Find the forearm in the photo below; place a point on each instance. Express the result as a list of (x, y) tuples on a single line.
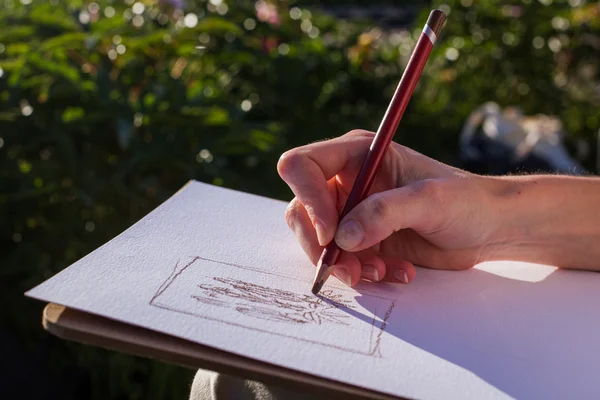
[(547, 219)]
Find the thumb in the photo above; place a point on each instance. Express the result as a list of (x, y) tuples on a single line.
[(415, 206)]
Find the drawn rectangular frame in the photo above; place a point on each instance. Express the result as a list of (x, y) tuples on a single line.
[(376, 330)]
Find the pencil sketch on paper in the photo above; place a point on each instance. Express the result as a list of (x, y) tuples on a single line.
[(274, 304), (206, 289)]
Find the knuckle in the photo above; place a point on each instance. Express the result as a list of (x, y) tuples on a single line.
[(290, 162), (377, 208), (361, 133), (292, 213), (433, 191)]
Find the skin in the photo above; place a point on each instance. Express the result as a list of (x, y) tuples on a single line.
[(422, 212)]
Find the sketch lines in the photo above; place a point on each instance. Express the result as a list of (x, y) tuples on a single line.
[(375, 349), (202, 287), (273, 304)]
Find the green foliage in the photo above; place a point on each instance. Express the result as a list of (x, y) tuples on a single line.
[(539, 55), (108, 108)]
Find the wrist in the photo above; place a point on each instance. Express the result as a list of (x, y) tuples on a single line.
[(552, 220)]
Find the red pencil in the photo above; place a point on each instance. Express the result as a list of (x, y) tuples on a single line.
[(384, 136)]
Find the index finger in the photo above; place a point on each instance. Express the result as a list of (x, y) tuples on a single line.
[(307, 169)]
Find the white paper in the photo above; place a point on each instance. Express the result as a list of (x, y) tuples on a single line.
[(221, 268)]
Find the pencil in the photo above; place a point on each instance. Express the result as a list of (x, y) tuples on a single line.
[(383, 137)]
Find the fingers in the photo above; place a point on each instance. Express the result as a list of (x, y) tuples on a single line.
[(299, 222), (377, 217), (377, 267), (351, 267), (374, 267), (398, 271), (348, 268), (308, 169)]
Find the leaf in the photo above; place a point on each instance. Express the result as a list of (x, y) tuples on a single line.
[(36, 81), (10, 116), (142, 42), (11, 64), (216, 24), (66, 71), (186, 50), (217, 116), (15, 77), (17, 48), (73, 114), (68, 40), (53, 17), (89, 86), (13, 33), (106, 25), (262, 140)]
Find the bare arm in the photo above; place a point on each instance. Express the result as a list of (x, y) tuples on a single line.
[(548, 219)]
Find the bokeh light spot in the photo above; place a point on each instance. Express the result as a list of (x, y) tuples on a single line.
[(84, 17), (90, 226), (249, 24), (452, 54), (109, 12), (138, 8), (138, 21), (246, 105), (554, 44), (284, 49), (190, 20), (295, 13)]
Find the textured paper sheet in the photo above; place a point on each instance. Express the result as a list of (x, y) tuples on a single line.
[(221, 268)]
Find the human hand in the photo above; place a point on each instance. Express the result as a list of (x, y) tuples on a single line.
[(419, 211)]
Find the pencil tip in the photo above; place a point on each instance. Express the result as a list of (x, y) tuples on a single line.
[(317, 287), (320, 277)]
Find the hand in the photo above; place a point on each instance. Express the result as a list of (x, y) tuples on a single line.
[(419, 211)]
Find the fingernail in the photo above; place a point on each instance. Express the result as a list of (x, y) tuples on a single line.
[(370, 272), (320, 228), (342, 274), (350, 234), (401, 275)]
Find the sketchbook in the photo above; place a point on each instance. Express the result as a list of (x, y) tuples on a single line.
[(213, 278)]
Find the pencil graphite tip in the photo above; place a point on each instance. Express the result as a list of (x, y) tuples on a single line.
[(317, 287), (320, 277)]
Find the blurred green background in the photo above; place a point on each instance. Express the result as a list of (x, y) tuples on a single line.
[(108, 107)]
